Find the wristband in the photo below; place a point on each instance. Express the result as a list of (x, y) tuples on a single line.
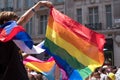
[(33, 10)]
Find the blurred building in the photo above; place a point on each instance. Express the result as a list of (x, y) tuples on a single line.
[(102, 16)]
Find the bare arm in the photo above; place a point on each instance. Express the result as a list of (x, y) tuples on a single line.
[(29, 13)]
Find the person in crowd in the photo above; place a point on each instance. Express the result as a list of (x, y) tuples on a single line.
[(95, 75), (39, 76), (117, 74), (103, 75), (111, 72), (11, 65)]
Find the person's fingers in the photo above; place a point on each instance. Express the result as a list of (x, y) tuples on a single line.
[(49, 4), (46, 3)]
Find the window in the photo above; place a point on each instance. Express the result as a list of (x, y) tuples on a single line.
[(79, 15), (43, 24), (93, 19), (9, 3), (1, 4), (108, 16), (28, 3), (29, 27), (19, 4), (59, 1), (108, 51), (93, 15)]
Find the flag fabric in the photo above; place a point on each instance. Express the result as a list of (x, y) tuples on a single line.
[(47, 68), (12, 31), (76, 49), (36, 49)]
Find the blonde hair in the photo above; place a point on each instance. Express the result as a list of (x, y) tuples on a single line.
[(7, 16)]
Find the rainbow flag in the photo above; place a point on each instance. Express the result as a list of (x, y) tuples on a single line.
[(39, 65), (76, 49), (47, 68)]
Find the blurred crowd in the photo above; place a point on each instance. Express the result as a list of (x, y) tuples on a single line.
[(106, 72)]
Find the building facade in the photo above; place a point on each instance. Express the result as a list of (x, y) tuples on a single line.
[(103, 16)]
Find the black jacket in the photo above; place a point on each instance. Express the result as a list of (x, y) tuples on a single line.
[(11, 64)]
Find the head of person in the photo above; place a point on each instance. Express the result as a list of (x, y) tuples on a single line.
[(96, 75), (6, 16)]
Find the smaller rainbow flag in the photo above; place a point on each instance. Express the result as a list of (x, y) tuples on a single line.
[(39, 65), (47, 68)]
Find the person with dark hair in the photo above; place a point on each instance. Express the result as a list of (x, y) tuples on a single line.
[(104, 75), (11, 64)]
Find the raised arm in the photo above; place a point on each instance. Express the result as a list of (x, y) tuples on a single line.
[(29, 13)]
